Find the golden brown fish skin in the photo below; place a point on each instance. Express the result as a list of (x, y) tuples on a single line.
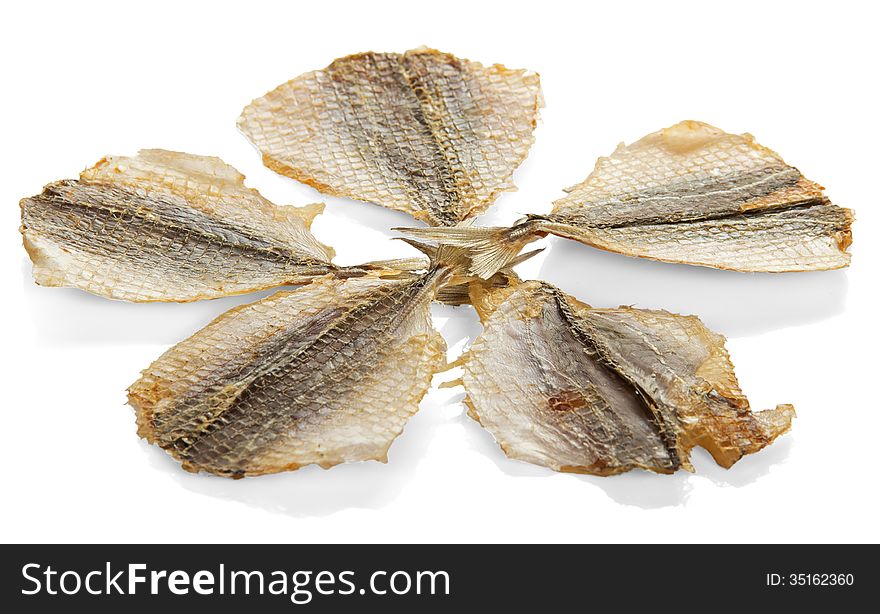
[(689, 194), (165, 226), (604, 391), (325, 374), (693, 194), (422, 132)]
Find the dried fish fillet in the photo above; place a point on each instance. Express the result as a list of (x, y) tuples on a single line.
[(690, 194), (167, 226), (422, 132), (326, 374), (604, 391)]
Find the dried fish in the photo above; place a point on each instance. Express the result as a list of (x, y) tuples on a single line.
[(326, 374), (331, 372), (422, 132), (167, 226), (690, 194), (603, 391)]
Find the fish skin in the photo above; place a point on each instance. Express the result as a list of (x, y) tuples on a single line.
[(762, 243), (693, 194), (326, 374), (605, 391), (689, 194), (167, 226), (422, 132)]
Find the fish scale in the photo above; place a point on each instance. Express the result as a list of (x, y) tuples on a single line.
[(290, 397), (125, 230), (658, 384), (422, 132)]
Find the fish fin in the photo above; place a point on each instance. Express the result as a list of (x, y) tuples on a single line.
[(453, 383), (396, 268), (408, 265), (489, 248), (454, 295), (308, 213), (429, 250), (453, 256), (523, 257)]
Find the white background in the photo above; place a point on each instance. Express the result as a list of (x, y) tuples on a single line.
[(81, 81)]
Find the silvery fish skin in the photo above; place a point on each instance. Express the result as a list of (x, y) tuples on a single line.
[(167, 226), (326, 374), (604, 391), (689, 194), (422, 132)]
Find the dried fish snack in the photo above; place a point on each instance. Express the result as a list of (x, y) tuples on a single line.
[(331, 372), (422, 132), (689, 194), (326, 374), (603, 391), (167, 226)]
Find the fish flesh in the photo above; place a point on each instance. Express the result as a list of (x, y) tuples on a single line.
[(422, 132), (689, 194), (326, 374), (603, 391), (167, 226)]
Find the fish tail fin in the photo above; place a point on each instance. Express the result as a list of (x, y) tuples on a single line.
[(488, 249), (398, 264), (456, 291), (453, 256), (454, 295), (523, 257), (429, 250), (397, 268)]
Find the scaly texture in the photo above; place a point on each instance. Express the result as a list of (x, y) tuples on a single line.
[(690, 194), (167, 226), (694, 194), (422, 132), (604, 391), (327, 374)]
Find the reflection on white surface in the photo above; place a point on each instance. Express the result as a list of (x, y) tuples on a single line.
[(732, 303), (312, 491), (642, 488), (459, 326)]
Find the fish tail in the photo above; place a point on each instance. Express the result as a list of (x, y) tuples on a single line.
[(456, 290), (485, 250), (454, 294), (443, 255), (405, 265)]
